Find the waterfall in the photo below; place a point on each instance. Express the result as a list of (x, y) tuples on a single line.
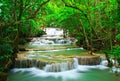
[(41, 53), (75, 62), (28, 63), (58, 67), (53, 41)]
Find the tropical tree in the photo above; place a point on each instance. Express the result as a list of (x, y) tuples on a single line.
[(18, 18)]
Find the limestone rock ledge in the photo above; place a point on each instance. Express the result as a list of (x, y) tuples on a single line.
[(89, 60)]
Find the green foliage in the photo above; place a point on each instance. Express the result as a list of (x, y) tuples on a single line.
[(116, 53), (40, 32), (95, 22), (0, 9), (6, 52), (30, 28), (118, 36), (18, 20), (85, 20)]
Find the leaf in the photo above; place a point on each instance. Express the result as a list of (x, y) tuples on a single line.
[(118, 36)]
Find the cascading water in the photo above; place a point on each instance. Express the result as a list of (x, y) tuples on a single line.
[(53, 41), (59, 67), (53, 58), (75, 64), (79, 73), (47, 43)]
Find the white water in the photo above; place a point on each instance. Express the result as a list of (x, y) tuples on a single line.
[(52, 41), (54, 36), (54, 31), (113, 69), (67, 71), (65, 74), (71, 74), (60, 67)]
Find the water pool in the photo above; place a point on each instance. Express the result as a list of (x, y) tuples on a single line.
[(81, 73)]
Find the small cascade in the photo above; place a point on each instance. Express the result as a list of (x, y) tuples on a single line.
[(54, 36), (63, 41), (104, 62), (28, 63), (89, 60), (53, 41), (59, 67), (75, 62)]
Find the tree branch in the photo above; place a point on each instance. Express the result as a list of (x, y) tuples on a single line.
[(21, 10), (37, 10), (74, 7), (12, 23)]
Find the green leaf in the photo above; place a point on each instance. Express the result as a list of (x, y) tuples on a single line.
[(118, 36)]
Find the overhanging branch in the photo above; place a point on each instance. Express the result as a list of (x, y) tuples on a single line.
[(12, 23), (37, 10), (74, 7)]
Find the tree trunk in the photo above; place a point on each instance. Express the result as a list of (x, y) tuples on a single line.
[(85, 35)]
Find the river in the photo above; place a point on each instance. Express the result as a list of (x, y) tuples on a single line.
[(61, 63)]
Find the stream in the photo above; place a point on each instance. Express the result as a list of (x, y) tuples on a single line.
[(54, 58), (81, 73)]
